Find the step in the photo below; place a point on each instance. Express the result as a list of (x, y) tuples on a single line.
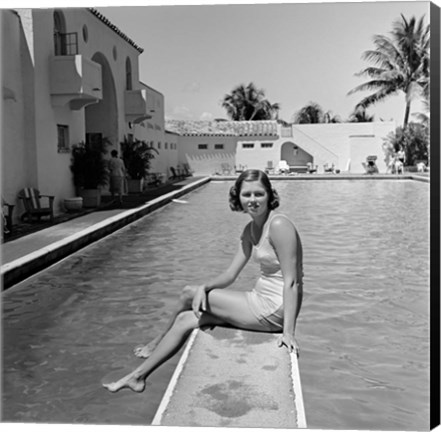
[(234, 378)]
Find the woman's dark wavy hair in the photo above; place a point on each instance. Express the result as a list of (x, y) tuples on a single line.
[(248, 176)]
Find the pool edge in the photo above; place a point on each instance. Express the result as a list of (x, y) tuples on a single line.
[(24, 267)]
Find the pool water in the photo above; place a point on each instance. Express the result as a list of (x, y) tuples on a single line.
[(363, 329)]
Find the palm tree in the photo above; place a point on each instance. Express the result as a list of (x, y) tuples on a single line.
[(311, 113), (249, 103), (360, 115), (401, 63)]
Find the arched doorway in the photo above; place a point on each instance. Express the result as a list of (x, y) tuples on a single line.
[(101, 119), (294, 155)]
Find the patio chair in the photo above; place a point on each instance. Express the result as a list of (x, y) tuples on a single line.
[(269, 167), (282, 167), (240, 169), (310, 168), (187, 170), (327, 168), (174, 175), (32, 201), (226, 168)]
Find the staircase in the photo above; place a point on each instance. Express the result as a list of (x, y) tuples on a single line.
[(321, 154)]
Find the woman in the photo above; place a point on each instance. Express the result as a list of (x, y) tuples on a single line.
[(272, 306)]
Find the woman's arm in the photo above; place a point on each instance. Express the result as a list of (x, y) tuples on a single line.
[(289, 251), (227, 277)]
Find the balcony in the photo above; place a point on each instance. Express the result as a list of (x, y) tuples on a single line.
[(75, 80), (135, 105)]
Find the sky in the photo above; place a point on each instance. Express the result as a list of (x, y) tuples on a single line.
[(296, 52)]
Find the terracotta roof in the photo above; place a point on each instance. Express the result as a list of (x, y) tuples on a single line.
[(102, 18), (223, 128)]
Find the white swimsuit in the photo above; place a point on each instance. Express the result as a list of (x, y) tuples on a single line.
[(266, 299)]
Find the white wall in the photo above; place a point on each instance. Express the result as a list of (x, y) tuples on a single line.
[(30, 118), (211, 160)]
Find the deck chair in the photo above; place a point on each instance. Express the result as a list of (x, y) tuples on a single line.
[(328, 168), (226, 168), (310, 168), (269, 169), (32, 201), (283, 167)]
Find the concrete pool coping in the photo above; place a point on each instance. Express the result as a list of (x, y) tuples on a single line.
[(228, 377), (340, 176)]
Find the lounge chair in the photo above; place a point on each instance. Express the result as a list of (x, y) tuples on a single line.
[(310, 168), (34, 208), (269, 167), (240, 169), (187, 170), (327, 168), (283, 167), (226, 168)]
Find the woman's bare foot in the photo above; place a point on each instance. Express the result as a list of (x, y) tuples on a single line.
[(129, 381), (145, 351)]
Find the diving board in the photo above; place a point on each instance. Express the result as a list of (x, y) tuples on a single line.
[(234, 378)]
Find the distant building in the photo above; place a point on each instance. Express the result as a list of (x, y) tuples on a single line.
[(211, 147), (70, 75)]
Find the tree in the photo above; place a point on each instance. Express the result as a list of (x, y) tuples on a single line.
[(414, 139), (311, 113), (314, 113), (249, 103), (401, 64), (359, 115), (137, 155)]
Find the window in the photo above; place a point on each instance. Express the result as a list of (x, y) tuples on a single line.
[(128, 74), (219, 146), (63, 139), (202, 146), (266, 145), (166, 146), (159, 144), (64, 43), (85, 33), (248, 145)]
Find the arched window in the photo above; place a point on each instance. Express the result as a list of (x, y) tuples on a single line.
[(59, 31), (128, 74)]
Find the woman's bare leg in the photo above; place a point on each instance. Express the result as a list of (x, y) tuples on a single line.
[(224, 307), (184, 303), (169, 345)]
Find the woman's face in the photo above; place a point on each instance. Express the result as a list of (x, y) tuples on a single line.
[(254, 198)]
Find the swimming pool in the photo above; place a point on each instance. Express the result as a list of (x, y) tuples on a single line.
[(363, 329)]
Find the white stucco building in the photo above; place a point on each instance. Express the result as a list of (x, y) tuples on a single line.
[(70, 75), (209, 147)]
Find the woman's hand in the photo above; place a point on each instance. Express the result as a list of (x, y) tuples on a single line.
[(199, 303), (290, 342)]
